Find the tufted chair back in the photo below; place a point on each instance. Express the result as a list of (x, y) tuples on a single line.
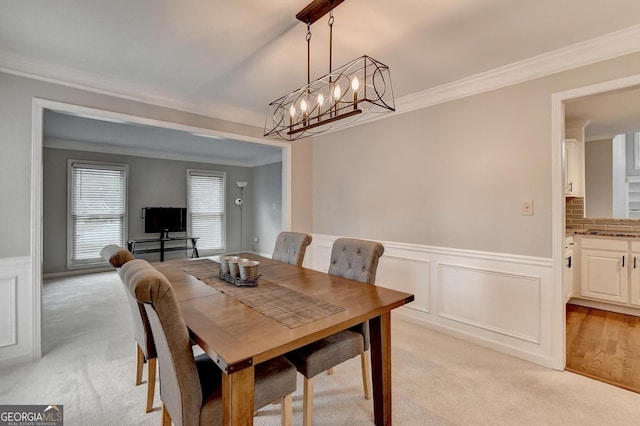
[(120, 258), (141, 329), (180, 387), (355, 259), (291, 247)]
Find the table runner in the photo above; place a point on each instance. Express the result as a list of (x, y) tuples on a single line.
[(281, 304)]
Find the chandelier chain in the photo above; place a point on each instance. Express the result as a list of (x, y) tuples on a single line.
[(330, 40), (308, 52)]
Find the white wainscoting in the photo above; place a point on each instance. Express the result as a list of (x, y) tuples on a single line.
[(16, 308), (497, 300)]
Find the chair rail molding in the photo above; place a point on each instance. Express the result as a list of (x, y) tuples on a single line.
[(497, 300)]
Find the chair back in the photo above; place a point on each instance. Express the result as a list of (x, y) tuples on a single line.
[(355, 259), (116, 255), (141, 328), (119, 258), (291, 247), (180, 389)]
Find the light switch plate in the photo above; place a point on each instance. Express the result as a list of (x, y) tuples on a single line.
[(527, 208)]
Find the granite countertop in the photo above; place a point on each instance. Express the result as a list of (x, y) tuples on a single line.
[(603, 233)]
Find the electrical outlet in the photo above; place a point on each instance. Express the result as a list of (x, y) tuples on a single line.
[(527, 208)]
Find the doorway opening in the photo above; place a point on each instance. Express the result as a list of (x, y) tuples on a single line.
[(563, 110), (38, 110)]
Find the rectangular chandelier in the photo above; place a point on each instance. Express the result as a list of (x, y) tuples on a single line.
[(358, 91)]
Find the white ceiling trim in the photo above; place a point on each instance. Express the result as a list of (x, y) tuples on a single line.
[(612, 45), (609, 46), (146, 153)]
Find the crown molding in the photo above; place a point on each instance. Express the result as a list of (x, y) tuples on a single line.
[(608, 46), (49, 72)]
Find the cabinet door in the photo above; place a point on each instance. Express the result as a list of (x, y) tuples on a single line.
[(573, 168), (604, 275), (634, 285), (568, 275)]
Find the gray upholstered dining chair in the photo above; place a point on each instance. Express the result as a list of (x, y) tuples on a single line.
[(290, 247), (191, 388), (357, 260), (145, 347)]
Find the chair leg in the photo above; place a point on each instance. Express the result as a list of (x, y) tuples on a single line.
[(365, 360), (151, 382), (286, 410), (307, 402), (166, 418), (139, 364)]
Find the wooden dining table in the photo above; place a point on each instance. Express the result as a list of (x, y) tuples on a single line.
[(238, 334)]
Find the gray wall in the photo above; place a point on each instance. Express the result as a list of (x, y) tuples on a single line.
[(599, 178), (451, 175), (268, 208), (152, 182), (454, 174), (16, 103)]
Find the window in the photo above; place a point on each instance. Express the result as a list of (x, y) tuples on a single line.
[(97, 213), (206, 209)]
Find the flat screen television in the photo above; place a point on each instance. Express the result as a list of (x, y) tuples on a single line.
[(161, 219)]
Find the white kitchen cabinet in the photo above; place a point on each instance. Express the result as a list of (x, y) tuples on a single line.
[(634, 283), (574, 168), (569, 268), (610, 270)]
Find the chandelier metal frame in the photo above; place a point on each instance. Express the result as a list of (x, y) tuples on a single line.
[(357, 91)]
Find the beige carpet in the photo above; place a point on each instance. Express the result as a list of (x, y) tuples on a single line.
[(437, 380)]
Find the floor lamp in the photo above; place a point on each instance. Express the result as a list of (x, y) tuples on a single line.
[(239, 201)]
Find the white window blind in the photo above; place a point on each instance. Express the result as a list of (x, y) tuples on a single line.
[(206, 208), (97, 211)]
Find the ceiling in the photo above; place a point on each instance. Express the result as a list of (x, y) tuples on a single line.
[(229, 59)]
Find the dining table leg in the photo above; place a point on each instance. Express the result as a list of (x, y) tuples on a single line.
[(380, 338), (237, 397)]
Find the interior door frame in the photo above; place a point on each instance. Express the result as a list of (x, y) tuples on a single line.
[(559, 346), (37, 143)]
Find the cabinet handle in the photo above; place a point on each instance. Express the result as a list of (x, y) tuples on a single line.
[(569, 262), (623, 261), (570, 186), (634, 262)]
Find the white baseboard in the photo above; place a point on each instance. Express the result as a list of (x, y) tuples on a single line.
[(500, 301)]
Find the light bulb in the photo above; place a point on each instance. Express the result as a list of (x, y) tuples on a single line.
[(292, 113), (303, 105), (355, 84), (320, 102), (336, 92)]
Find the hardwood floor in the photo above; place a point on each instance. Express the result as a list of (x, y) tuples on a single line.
[(604, 345)]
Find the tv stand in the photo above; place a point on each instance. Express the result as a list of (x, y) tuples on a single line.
[(164, 238)]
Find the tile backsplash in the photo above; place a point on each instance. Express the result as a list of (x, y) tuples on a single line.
[(576, 220)]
